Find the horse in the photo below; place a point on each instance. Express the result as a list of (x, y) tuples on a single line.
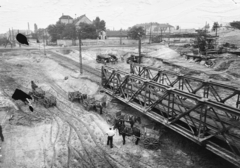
[(126, 131), (129, 118), (82, 97)]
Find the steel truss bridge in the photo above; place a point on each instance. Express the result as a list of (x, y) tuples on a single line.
[(203, 111)]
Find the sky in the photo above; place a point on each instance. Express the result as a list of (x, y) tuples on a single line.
[(118, 14)]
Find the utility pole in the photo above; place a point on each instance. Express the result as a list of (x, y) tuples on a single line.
[(13, 38), (121, 36), (10, 37), (80, 50), (139, 47), (44, 42), (150, 33), (169, 35), (19, 43)]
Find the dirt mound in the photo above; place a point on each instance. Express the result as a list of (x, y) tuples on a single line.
[(164, 53), (223, 65), (231, 37), (234, 69)]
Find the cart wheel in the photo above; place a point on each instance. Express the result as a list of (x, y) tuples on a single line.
[(151, 143)]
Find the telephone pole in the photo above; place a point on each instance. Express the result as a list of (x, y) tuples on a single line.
[(44, 42), (121, 36), (150, 33), (80, 50), (139, 47)]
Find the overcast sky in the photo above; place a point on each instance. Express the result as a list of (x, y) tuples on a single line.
[(118, 13)]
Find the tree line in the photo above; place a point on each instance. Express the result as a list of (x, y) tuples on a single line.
[(91, 31), (70, 32)]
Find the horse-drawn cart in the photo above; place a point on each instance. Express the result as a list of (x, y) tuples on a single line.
[(45, 99), (92, 103), (151, 138), (76, 96)]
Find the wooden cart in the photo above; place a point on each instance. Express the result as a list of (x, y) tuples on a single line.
[(45, 99), (151, 138)]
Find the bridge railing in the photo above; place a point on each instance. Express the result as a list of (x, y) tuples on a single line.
[(202, 120), (214, 91)]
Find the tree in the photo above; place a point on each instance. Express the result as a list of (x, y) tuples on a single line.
[(88, 31), (56, 31), (177, 27), (69, 32), (52, 30), (235, 24), (34, 35), (134, 32), (207, 26), (99, 24), (215, 27), (60, 28)]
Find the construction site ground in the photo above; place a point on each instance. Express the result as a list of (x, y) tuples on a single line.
[(68, 135)]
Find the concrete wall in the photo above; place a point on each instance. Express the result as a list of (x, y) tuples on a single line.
[(100, 42)]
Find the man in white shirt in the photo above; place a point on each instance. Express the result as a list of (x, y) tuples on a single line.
[(110, 134)]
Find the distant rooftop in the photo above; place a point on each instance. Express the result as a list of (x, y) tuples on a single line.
[(148, 25), (79, 18), (65, 17)]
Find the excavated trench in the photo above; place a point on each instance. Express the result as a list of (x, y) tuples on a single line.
[(198, 154), (73, 137)]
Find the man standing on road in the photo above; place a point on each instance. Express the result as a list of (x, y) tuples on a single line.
[(110, 134), (1, 135)]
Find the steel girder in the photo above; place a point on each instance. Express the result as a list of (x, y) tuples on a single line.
[(205, 88), (204, 121)]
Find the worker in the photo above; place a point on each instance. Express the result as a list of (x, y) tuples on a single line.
[(131, 121), (1, 135), (33, 85), (110, 134), (137, 134), (123, 132)]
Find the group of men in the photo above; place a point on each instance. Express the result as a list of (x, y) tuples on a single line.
[(111, 133)]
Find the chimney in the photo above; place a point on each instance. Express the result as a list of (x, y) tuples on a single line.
[(62, 14), (28, 25)]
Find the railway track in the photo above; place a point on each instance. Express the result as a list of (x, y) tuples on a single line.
[(69, 62)]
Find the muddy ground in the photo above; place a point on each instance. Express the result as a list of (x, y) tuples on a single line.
[(68, 135)]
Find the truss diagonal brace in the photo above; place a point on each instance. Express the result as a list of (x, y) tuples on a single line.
[(185, 113), (110, 78), (139, 90), (159, 100), (122, 84)]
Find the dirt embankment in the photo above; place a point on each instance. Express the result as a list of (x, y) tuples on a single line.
[(67, 135)]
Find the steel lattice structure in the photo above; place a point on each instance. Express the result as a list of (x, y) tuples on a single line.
[(206, 122), (205, 88)]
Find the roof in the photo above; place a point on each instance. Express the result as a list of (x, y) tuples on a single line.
[(118, 33), (65, 17), (148, 25), (79, 18)]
